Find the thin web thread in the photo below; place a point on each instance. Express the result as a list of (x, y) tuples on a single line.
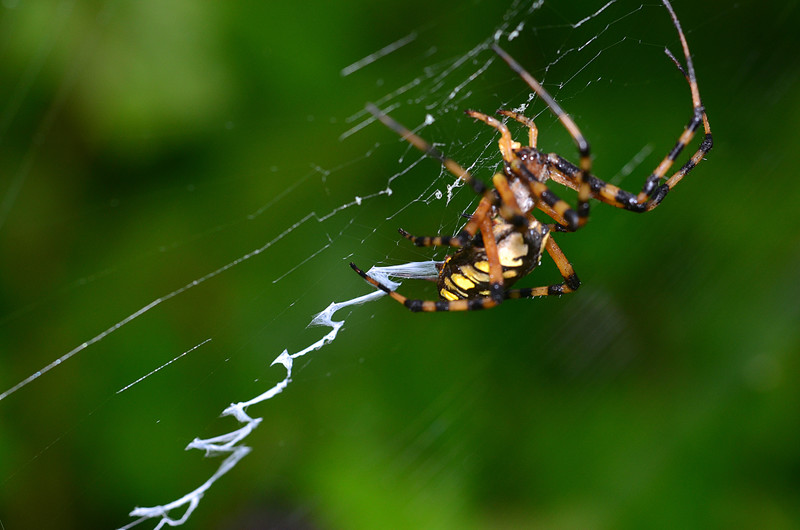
[(230, 443)]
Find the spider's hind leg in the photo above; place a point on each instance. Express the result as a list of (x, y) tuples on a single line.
[(466, 235), (569, 285), (458, 240)]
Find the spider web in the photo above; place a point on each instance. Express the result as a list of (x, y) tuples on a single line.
[(240, 276)]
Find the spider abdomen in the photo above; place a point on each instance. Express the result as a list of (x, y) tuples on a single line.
[(465, 274)]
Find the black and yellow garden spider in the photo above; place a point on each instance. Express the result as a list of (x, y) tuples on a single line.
[(503, 242)]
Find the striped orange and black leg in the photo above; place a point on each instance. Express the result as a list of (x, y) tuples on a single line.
[(553, 205), (459, 240), (570, 284), (652, 193), (566, 173)]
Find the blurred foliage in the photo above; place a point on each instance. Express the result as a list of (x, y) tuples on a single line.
[(146, 144)]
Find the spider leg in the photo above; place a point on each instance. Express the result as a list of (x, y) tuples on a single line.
[(505, 211), (507, 145), (485, 224), (651, 192), (570, 284), (481, 212), (584, 191), (550, 203), (464, 236), (434, 241), (561, 224), (492, 256), (566, 173), (533, 132)]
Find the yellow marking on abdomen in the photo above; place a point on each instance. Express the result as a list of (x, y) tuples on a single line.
[(462, 282), (473, 275), (447, 295)]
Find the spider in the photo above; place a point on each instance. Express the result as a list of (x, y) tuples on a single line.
[(502, 241)]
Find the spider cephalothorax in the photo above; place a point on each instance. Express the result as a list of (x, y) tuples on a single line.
[(502, 241)]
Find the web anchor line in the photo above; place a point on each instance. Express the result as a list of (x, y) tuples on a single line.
[(230, 443)]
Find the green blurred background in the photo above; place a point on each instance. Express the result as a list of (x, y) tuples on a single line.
[(146, 144)]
